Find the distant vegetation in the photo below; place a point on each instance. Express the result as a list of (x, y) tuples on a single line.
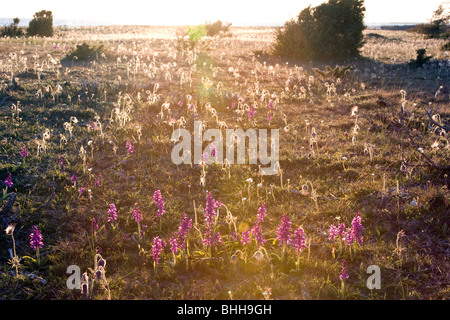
[(41, 25), (437, 28), (194, 35), (13, 29), (399, 27), (218, 28), (190, 38), (328, 31)]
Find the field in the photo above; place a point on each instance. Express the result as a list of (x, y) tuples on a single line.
[(362, 177)]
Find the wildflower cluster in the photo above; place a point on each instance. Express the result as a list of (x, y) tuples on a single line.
[(158, 200), (36, 239), (350, 235), (211, 238), (178, 240), (157, 248), (23, 151), (137, 216), (298, 240), (112, 213), (8, 181), (257, 227), (284, 231)]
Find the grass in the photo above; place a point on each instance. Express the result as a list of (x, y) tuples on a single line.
[(114, 100)]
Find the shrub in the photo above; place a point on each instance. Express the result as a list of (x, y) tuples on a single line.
[(330, 73), (437, 28), (421, 59), (328, 31), (41, 25), (446, 46), (191, 38), (430, 30), (217, 29), (13, 30), (196, 33), (84, 52)]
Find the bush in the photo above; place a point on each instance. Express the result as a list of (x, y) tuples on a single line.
[(421, 59), (332, 74), (41, 25), (430, 30), (446, 46), (217, 29), (437, 28), (13, 30), (329, 31), (196, 33), (194, 36), (191, 38), (84, 52)]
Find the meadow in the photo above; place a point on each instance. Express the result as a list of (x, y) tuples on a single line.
[(88, 179)]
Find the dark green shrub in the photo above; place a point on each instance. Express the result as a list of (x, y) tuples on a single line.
[(430, 30), (446, 46), (41, 25), (13, 30), (421, 59), (437, 28), (404, 27), (84, 52), (217, 29), (328, 31)]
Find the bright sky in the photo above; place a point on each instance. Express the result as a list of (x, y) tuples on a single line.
[(184, 12)]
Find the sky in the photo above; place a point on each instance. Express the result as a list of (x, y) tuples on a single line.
[(190, 12)]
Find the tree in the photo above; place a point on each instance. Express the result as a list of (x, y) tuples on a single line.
[(328, 31), (41, 25)]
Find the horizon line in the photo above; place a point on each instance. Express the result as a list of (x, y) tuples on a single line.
[(78, 22)]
